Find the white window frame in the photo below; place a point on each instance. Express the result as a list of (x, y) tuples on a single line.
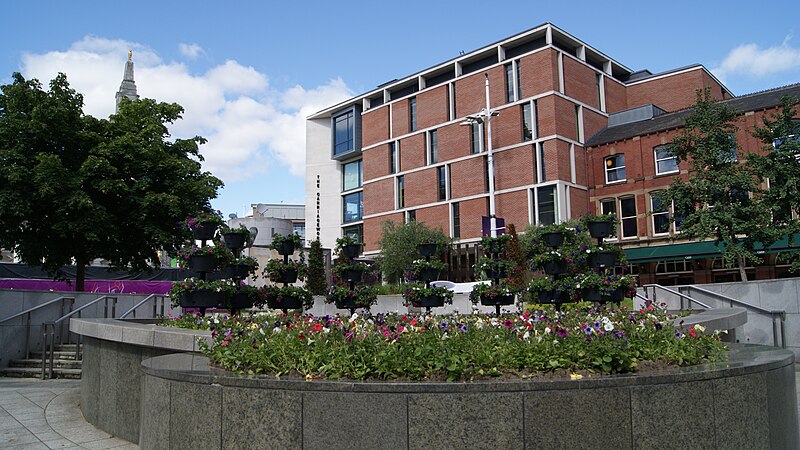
[(657, 160), (606, 169), (623, 218)]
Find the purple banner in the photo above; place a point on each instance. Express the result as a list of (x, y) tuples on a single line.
[(99, 286)]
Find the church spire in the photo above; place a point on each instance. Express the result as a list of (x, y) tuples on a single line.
[(128, 86)]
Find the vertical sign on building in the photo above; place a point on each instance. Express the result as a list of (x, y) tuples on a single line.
[(318, 225)]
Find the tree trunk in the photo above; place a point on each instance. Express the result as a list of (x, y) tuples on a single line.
[(80, 274), (742, 265)]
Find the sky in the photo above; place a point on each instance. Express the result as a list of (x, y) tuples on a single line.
[(248, 73)]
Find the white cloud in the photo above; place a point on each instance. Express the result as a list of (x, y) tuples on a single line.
[(753, 61), (251, 128), (191, 51)]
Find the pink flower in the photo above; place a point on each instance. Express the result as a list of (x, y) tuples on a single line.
[(225, 343)]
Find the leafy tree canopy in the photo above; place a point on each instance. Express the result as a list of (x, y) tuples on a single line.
[(74, 188), (399, 246)]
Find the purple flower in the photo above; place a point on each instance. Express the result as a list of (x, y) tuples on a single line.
[(444, 326), (587, 330), (678, 335)]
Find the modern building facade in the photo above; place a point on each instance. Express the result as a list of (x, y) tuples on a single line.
[(564, 142)]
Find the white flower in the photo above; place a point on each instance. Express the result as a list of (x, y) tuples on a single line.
[(526, 335), (547, 330), (276, 330), (353, 317), (608, 326), (699, 328)]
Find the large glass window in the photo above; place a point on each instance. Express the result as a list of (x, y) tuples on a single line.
[(546, 205), (412, 114), (512, 82), (476, 137), (627, 209), (353, 207), (433, 146), (666, 162), (401, 192), (660, 213), (392, 157), (352, 175), (728, 155), (411, 215), (609, 207), (615, 168), (344, 133), (456, 220), (542, 167), (527, 122), (442, 182), (355, 232)]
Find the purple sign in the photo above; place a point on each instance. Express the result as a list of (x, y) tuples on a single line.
[(486, 227)]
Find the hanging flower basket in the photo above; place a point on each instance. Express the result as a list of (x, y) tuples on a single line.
[(203, 263), (553, 296), (428, 275), (353, 275), (553, 239), (285, 302), (235, 239), (238, 271), (495, 274), (202, 298), (205, 231), (431, 301), (600, 228), (351, 250), (285, 248), (289, 276), (241, 300), (602, 260), (555, 267), (285, 245), (427, 250)]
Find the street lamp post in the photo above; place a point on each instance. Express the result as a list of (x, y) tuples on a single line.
[(485, 116)]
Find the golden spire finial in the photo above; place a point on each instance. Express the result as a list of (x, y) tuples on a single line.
[(130, 54)]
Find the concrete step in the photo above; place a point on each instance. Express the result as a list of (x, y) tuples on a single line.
[(57, 355), (31, 372), (58, 363)]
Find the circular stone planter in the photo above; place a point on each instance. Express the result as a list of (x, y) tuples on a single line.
[(745, 402)]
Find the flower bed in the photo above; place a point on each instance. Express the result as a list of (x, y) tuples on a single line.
[(453, 348)]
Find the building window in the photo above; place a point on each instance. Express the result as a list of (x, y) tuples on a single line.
[(456, 220), (401, 192), (433, 146), (527, 122), (344, 133), (411, 215), (512, 82), (728, 155), (546, 205), (352, 175), (486, 174), (441, 173), (542, 168), (627, 208), (792, 137), (412, 114), (660, 213), (353, 207), (598, 79), (609, 207), (449, 181), (393, 157), (615, 168), (355, 232), (451, 101), (666, 162), (476, 135)]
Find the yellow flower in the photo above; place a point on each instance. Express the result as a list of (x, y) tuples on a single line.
[(575, 376)]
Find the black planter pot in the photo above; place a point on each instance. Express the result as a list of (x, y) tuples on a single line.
[(602, 260), (237, 271), (494, 274), (429, 275), (202, 299), (433, 301), (290, 276), (552, 297), (351, 251), (286, 248), (427, 250), (555, 267), (285, 303), (600, 228), (241, 300), (553, 239), (348, 303), (202, 263), (353, 275), (205, 231), (487, 300), (592, 295), (234, 240)]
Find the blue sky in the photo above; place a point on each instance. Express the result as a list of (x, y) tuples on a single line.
[(248, 73)]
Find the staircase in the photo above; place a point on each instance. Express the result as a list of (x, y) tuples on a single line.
[(64, 365)]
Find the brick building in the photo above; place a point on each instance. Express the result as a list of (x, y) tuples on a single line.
[(404, 150)]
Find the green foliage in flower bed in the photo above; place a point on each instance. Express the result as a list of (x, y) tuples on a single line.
[(455, 347)]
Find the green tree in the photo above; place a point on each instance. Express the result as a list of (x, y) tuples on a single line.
[(74, 188), (316, 282), (399, 246), (721, 199), (521, 273), (779, 163)]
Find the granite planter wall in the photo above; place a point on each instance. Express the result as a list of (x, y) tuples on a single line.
[(746, 402)]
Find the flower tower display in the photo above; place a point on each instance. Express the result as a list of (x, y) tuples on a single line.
[(347, 273), (422, 272), (286, 272), (495, 266)]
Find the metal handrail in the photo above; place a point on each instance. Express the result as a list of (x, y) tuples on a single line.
[(28, 312), (145, 300), (650, 302), (679, 294), (49, 331), (781, 313)]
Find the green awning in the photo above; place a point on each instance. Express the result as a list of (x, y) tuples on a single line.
[(699, 250)]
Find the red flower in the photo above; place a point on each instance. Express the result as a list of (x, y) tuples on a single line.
[(692, 333), (317, 327)]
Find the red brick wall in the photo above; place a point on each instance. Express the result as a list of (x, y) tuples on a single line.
[(454, 141), (373, 228), (379, 196), (412, 152), (581, 168), (670, 93), (546, 120), (580, 82), (420, 187), (400, 117), (376, 162), (471, 91), (556, 160), (467, 177), (616, 96), (513, 207), (567, 124), (375, 126), (436, 217), (592, 123), (538, 73), (432, 107), (471, 212), (507, 127), (513, 167)]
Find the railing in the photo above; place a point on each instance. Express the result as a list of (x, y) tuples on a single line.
[(27, 313), (155, 298), (779, 314), (48, 332), (685, 299)]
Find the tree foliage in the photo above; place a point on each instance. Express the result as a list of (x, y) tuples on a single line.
[(316, 281), (74, 188), (399, 246), (520, 274), (721, 199)]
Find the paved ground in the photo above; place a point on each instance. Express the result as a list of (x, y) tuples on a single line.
[(36, 414)]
